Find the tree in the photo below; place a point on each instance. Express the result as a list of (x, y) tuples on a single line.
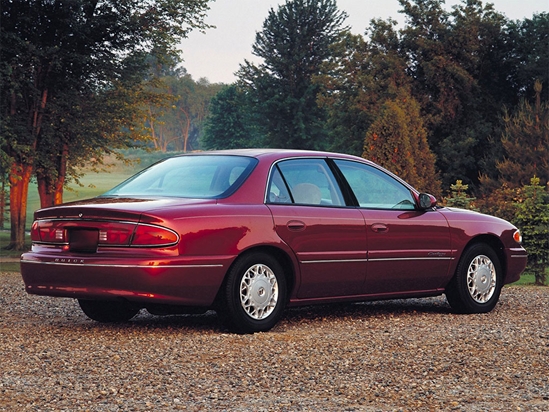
[(231, 122), (177, 120), (459, 198), (356, 80), (397, 140), (527, 56), (293, 44), (457, 63), (533, 220), (51, 51), (526, 143)]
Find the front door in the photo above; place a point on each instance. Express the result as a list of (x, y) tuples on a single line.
[(408, 249)]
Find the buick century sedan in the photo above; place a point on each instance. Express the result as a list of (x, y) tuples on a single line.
[(250, 232)]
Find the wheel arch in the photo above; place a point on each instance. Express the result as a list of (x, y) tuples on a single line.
[(495, 243), (279, 254)]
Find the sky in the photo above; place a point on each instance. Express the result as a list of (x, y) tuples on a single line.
[(218, 53)]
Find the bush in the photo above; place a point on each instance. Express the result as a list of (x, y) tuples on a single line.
[(532, 219)]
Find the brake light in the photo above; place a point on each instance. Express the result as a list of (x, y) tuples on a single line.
[(116, 234), (48, 232), (517, 237), (148, 235)]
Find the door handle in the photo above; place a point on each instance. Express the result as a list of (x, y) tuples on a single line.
[(379, 228), (295, 225)]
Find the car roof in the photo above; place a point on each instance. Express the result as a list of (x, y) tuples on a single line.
[(275, 154)]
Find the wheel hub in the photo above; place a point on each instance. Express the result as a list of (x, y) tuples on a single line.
[(259, 291), (481, 279)]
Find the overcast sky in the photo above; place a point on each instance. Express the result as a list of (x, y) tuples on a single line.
[(218, 53)]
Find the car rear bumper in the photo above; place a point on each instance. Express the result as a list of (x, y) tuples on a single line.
[(190, 281)]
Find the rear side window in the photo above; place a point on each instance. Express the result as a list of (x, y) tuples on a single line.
[(192, 176), (304, 181)]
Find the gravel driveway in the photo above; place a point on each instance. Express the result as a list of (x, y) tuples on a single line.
[(405, 355)]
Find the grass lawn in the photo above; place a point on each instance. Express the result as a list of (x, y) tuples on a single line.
[(94, 184)]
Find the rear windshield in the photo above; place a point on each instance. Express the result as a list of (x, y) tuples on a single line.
[(192, 176)]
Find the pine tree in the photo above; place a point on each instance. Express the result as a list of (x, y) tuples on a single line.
[(230, 124), (526, 143), (459, 196), (397, 140), (293, 44)]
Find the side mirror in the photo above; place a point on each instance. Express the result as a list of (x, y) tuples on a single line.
[(427, 201)]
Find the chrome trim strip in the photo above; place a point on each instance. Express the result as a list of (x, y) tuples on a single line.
[(519, 256), (122, 266), (411, 258), (373, 260), (334, 261)]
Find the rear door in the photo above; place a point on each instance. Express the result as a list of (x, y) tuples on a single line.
[(328, 238)]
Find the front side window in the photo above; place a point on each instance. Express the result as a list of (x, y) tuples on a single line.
[(375, 189), (305, 182), (192, 176)]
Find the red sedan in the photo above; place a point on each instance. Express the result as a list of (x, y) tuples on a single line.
[(249, 232)]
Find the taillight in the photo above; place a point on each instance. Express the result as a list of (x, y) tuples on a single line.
[(116, 234), (148, 235), (48, 232), (109, 233)]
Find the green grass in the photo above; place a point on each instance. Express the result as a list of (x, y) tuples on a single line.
[(94, 184), (528, 279)]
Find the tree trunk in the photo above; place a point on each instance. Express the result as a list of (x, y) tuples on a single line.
[(185, 129), (50, 187), (19, 188)]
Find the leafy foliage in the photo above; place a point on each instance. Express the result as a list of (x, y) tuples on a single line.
[(526, 143), (397, 140), (230, 124), (533, 220), (72, 80)]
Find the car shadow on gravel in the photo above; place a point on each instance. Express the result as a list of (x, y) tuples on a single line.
[(209, 321), (393, 307)]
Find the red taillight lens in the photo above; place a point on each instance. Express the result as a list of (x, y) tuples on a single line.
[(517, 236), (148, 235), (116, 234), (48, 232), (35, 232)]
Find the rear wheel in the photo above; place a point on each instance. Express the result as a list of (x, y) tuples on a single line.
[(255, 293), (476, 286), (107, 311)]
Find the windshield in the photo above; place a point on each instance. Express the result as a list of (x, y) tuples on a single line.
[(192, 176)]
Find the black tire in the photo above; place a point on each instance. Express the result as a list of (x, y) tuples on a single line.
[(107, 311), (255, 293), (477, 283)]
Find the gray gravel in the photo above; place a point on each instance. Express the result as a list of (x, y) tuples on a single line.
[(405, 355)]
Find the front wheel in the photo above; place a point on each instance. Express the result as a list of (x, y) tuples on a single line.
[(255, 293), (476, 286), (107, 311)]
